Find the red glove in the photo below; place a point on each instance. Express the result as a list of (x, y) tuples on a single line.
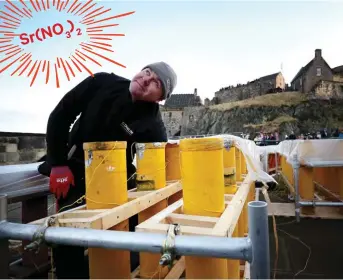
[(60, 180)]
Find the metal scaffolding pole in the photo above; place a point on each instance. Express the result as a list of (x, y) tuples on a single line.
[(4, 249), (320, 203), (296, 166), (254, 248), (218, 247), (259, 235)]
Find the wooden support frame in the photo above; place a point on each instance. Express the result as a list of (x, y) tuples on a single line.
[(200, 225), (80, 217)]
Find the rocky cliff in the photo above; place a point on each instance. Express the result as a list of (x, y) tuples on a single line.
[(283, 112)]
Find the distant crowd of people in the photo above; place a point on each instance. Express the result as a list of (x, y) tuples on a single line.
[(264, 139), (337, 133)]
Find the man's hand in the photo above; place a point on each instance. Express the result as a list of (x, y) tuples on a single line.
[(60, 180)]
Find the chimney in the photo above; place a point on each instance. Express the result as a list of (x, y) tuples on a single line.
[(195, 92), (318, 53)]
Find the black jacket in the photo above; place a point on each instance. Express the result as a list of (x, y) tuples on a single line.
[(105, 107)]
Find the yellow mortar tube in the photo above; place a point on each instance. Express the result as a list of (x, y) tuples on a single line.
[(288, 172), (244, 169), (238, 165), (233, 266), (306, 188), (203, 194), (340, 185), (106, 187), (282, 163), (151, 175), (173, 162), (229, 155), (173, 172), (241, 229), (245, 215)]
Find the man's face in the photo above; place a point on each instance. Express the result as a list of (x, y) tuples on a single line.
[(146, 86)]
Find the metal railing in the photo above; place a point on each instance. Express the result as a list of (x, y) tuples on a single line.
[(22, 184), (295, 165), (254, 248)]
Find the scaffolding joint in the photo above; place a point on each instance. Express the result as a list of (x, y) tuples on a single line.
[(39, 236), (168, 249)]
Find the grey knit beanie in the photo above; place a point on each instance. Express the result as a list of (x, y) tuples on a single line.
[(167, 76)]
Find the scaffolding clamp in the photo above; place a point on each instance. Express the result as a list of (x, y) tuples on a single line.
[(168, 250), (38, 237), (228, 143)]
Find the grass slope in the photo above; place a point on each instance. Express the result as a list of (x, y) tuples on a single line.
[(268, 100)]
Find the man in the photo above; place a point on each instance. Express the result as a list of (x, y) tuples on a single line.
[(111, 108)]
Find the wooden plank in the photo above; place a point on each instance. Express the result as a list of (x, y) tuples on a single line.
[(81, 214), (327, 193), (154, 223), (228, 220), (135, 273), (184, 230), (137, 194), (229, 197), (41, 221), (177, 270), (162, 214), (113, 216), (288, 184), (191, 220), (246, 274)]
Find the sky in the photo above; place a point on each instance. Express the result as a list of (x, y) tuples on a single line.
[(210, 44)]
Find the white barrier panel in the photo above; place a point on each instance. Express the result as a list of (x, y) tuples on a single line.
[(313, 153)]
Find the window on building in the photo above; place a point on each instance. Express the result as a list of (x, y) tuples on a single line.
[(170, 114), (319, 71), (301, 82)]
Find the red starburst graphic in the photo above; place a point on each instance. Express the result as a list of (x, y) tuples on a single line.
[(89, 14)]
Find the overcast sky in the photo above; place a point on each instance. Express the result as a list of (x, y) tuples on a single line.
[(210, 44)]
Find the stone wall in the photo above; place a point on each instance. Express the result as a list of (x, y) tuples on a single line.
[(191, 119), (311, 78), (249, 90), (328, 90), (17, 148), (172, 121), (238, 93), (338, 77)]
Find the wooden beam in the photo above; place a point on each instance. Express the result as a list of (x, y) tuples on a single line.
[(113, 216), (177, 270), (288, 184), (228, 220), (137, 194), (191, 220), (41, 221), (246, 274)]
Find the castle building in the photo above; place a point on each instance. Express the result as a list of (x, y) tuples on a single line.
[(172, 110)]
